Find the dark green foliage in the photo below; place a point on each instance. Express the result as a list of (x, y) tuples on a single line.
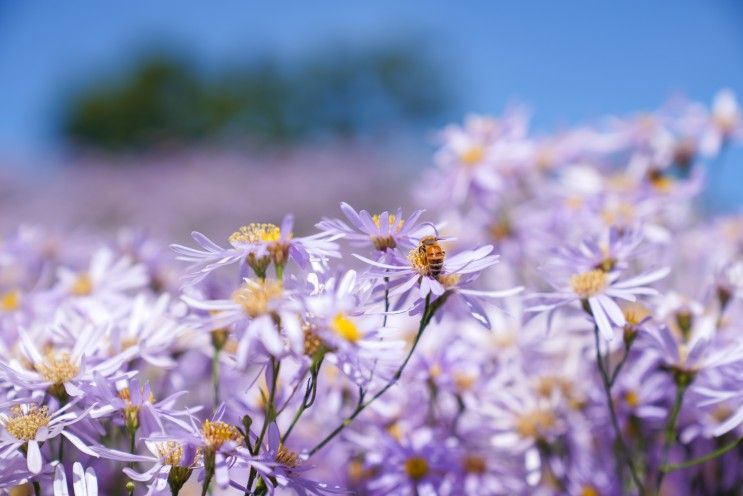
[(337, 94)]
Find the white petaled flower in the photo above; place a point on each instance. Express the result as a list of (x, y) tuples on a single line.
[(257, 245), (253, 311), (107, 278), (597, 290), (27, 425), (84, 481), (64, 371), (353, 342)]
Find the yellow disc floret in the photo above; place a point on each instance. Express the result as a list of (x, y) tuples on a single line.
[(26, 420), (216, 433), (472, 155), (255, 297), (256, 233), (57, 368), (416, 467), (10, 301), (590, 283), (345, 328)]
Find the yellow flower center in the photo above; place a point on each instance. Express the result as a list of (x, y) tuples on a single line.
[(286, 457), (345, 328), (383, 243), (590, 283), (10, 301), (217, 433), (631, 398), (416, 467), (533, 424), (256, 233), (57, 368), (589, 491), (312, 342), (255, 297), (472, 155), (170, 452), (25, 421), (83, 285)]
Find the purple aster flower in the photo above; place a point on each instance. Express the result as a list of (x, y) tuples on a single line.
[(383, 232), (351, 340), (253, 311), (283, 468), (597, 287), (258, 245), (434, 273), (172, 463), (107, 279), (137, 405), (64, 371), (415, 464)]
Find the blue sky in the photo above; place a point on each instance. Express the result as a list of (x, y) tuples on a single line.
[(570, 61)]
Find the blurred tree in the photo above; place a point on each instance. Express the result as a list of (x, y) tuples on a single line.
[(339, 93)]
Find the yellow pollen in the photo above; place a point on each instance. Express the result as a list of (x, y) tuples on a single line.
[(256, 233), (312, 342), (255, 297), (83, 285), (26, 420), (418, 261), (590, 283), (472, 155), (377, 218), (57, 368), (631, 398), (449, 280), (345, 328), (416, 467), (589, 491), (217, 433), (533, 424), (170, 452), (126, 395), (286, 457), (10, 301)]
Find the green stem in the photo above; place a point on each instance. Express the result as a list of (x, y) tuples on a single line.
[(670, 433), (666, 468), (37, 488), (613, 415), (309, 396), (428, 311), (207, 481), (267, 419)]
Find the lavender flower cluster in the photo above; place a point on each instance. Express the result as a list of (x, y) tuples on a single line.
[(562, 320)]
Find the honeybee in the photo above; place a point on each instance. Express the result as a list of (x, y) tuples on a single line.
[(430, 250)]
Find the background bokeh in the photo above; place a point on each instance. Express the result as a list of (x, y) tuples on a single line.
[(174, 116)]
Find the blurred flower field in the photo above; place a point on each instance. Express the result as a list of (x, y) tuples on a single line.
[(534, 314)]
